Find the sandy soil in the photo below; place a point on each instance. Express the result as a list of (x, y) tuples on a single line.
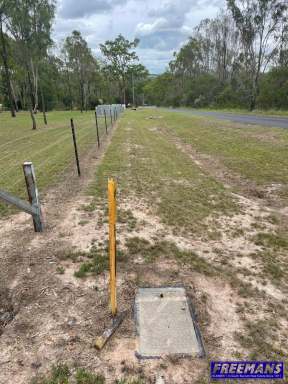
[(53, 318)]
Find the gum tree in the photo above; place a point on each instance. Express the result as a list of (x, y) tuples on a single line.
[(29, 23), (120, 55), (259, 23), (4, 55)]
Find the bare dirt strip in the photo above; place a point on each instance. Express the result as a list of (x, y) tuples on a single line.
[(50, 317), (45, 319)]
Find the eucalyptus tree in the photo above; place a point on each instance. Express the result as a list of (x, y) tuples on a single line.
[(29, 23), (120, 55), (259, 23), (137, 76), (282, 58), (4, 55), (80, 65), (188, 61), (221, 46)]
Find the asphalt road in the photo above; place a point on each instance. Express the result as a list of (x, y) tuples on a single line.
[(269, 121)]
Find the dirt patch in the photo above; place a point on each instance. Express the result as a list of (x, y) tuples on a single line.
[(224, 320), (56, 316), (85, 228), (7, 312), (36, 305), (233, 245)]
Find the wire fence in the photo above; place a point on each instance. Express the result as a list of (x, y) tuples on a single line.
[(109, 110), (50, 148)]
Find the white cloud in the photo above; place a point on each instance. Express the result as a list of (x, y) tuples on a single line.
[(143, 29), (162, 26), (186, 30), (75, 9)]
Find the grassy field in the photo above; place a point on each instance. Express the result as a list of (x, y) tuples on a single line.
[(145, 156), (170, 164), (151, 167), (268, 112), (201, 203), (256, 153), (50, 147)]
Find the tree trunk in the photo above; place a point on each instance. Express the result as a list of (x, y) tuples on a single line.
[(6, 69), (43, 103), (124, 95), (33, 119), (31, 95), (252, 103), (81, 96), (14, 97), (85, 99), (30, 88), (69, 90), (34, 72), (23, 98)]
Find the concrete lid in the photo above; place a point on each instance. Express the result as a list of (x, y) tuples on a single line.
[(164, 323)]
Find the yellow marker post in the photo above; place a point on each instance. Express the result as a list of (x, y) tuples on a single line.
[(112, 243)]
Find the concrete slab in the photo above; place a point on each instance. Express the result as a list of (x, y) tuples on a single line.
[(164, 324)]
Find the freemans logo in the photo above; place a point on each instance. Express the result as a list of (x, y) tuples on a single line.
[(247, 370)]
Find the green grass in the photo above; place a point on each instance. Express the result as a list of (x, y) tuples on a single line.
[(132, 381), (148, 166), (84, 377), (256, 153), (60, 270), (259, 338), (150, 252), (127, 217), (62, 374), (97, 263), (59, 375), (50, 147), (271, 240), (267, 112)]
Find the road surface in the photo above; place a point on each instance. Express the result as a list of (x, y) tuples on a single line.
[(269, 121)]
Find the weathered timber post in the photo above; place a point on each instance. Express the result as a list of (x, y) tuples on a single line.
[(33, 196), (75, 147), (97, 129), (105, 121), (112, 243)]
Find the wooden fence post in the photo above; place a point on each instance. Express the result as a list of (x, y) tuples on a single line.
[(32, 190), (105, 121), (75, 147), (97, 129), (112, 243)]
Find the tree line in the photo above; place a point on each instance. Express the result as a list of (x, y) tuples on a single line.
[(34, 75), (238, 59)]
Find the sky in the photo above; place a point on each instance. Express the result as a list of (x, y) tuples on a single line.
[(162, 26)]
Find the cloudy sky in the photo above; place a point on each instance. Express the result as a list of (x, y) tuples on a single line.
[(161, 25)]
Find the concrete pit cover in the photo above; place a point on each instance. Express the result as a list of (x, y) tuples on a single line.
[(165, 325)]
